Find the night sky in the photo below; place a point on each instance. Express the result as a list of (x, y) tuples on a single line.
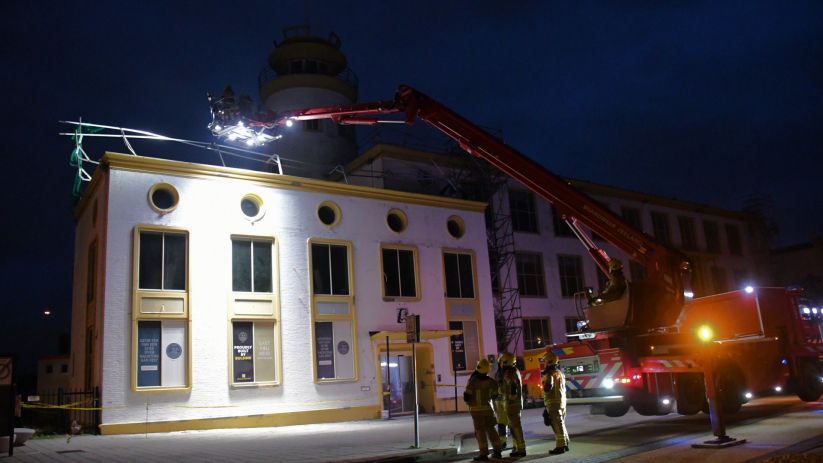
[(705, 101)]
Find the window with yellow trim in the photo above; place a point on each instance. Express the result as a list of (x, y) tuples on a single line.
[(333, 313), (161, 358), (398, 264), (462, 309), (254, 312)]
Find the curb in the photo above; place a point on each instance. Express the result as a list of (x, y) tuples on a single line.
[(411, 457)]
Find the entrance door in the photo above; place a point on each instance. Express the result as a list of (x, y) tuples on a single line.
[(400, 370)]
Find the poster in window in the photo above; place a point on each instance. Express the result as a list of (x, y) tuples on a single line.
[(324, 349), (243, 351), (172, 349), (458, 348), (264, 352), (148, 354)]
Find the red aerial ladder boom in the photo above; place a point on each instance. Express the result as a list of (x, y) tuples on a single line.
[(661, 301)]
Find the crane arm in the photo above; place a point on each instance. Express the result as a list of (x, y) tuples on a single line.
[(669, 288)]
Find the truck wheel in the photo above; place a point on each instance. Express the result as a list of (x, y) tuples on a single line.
[(616, 409), (810, 385), (691, 393), (651, 406), (730, 390)]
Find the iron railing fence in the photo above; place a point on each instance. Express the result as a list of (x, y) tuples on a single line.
[(54, 410)]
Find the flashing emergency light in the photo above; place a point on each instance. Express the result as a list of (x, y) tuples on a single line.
[(814, 310), (778, 389), (608, 384), (666, 401), (783, 361), (705, 333), (748, 395), (289, 123), (749, 289), (806, 310), (688, 294)]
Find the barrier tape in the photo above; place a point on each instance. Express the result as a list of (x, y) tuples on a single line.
[(35, 405)]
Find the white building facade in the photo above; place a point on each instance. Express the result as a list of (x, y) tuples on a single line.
[(231, 298)]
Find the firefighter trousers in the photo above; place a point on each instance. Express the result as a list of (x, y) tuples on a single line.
[(558, 416), (513, 417), (485, 424)]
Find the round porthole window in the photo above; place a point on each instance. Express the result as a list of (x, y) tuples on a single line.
[(396, 220), (455, 227), (252, 207), (328, 213), (163, 197)]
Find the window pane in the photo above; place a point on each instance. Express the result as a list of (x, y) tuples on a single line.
[(466, 276), (391, 275), (527, 334), (571, 275), (712, 236), (561, 228), (174, 261), (243, 352), (408, 285), (262, 267), (660, 227), (471, 343), (733, 236), (339, 270), (173, 364), (321, 273), (240, 265), (452, 275), (148, 353), (523, 214), (687, 235), (151, 261), (264, 352), (632, 217)]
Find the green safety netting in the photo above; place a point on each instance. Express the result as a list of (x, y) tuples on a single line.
[(76, 160)]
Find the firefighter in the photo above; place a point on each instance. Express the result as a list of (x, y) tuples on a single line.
[(501, 415), (512, 402), (554, 397), (480, 392), (614, 288)]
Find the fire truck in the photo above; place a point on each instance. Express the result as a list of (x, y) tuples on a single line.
[(651, 348)]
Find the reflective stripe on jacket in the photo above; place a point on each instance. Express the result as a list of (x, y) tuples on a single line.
[(554, 387)]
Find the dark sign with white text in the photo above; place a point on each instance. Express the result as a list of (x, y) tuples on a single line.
[(458, 348), (243, 351), (148, 354), (324, 349)]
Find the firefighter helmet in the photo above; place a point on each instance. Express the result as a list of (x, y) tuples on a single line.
[(550, 358), (615, 265), (507, 359), (483, 367)]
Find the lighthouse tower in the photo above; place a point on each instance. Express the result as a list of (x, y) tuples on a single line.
[(308, 72)]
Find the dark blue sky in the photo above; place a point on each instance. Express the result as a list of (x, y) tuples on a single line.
[(705, 101)]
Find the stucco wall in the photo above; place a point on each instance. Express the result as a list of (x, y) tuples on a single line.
[(210, 209)]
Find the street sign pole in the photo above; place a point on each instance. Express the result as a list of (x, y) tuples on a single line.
[(388, 373), (413, 337), (416, 406)]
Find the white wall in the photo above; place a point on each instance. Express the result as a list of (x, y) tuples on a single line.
[(210, 209)]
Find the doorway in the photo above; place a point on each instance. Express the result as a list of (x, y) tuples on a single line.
[(397, 378), (400, 371)]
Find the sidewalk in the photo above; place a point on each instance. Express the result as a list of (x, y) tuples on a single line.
[(772, 426)]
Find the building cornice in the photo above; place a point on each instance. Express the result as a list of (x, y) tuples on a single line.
[(132, 163)]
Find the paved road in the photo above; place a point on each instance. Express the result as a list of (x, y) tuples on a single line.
[(771, 425)]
